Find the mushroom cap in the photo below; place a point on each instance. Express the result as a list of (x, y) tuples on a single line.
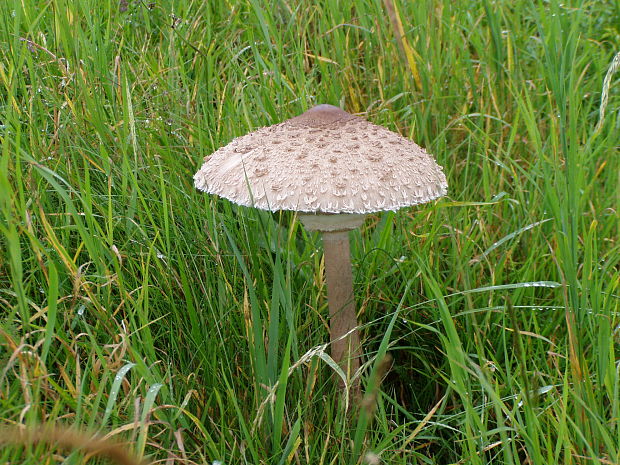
[(324, 160)]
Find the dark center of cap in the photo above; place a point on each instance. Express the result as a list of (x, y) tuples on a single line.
[(321, 115)]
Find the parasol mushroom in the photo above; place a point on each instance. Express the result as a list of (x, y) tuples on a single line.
[(333, 168)]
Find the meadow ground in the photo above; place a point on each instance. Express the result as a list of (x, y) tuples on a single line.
[(134, 306)]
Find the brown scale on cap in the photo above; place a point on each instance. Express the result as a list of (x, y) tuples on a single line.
[(253, 169)]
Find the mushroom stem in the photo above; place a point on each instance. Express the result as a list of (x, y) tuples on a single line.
[(346, 351)]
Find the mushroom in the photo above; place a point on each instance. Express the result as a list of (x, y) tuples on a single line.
[(333, 168)]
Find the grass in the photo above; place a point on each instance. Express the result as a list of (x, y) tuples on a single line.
[(194, 330)]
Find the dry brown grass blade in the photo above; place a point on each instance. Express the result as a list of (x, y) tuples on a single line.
[(401, 40), (69, 439), (423, 423)]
